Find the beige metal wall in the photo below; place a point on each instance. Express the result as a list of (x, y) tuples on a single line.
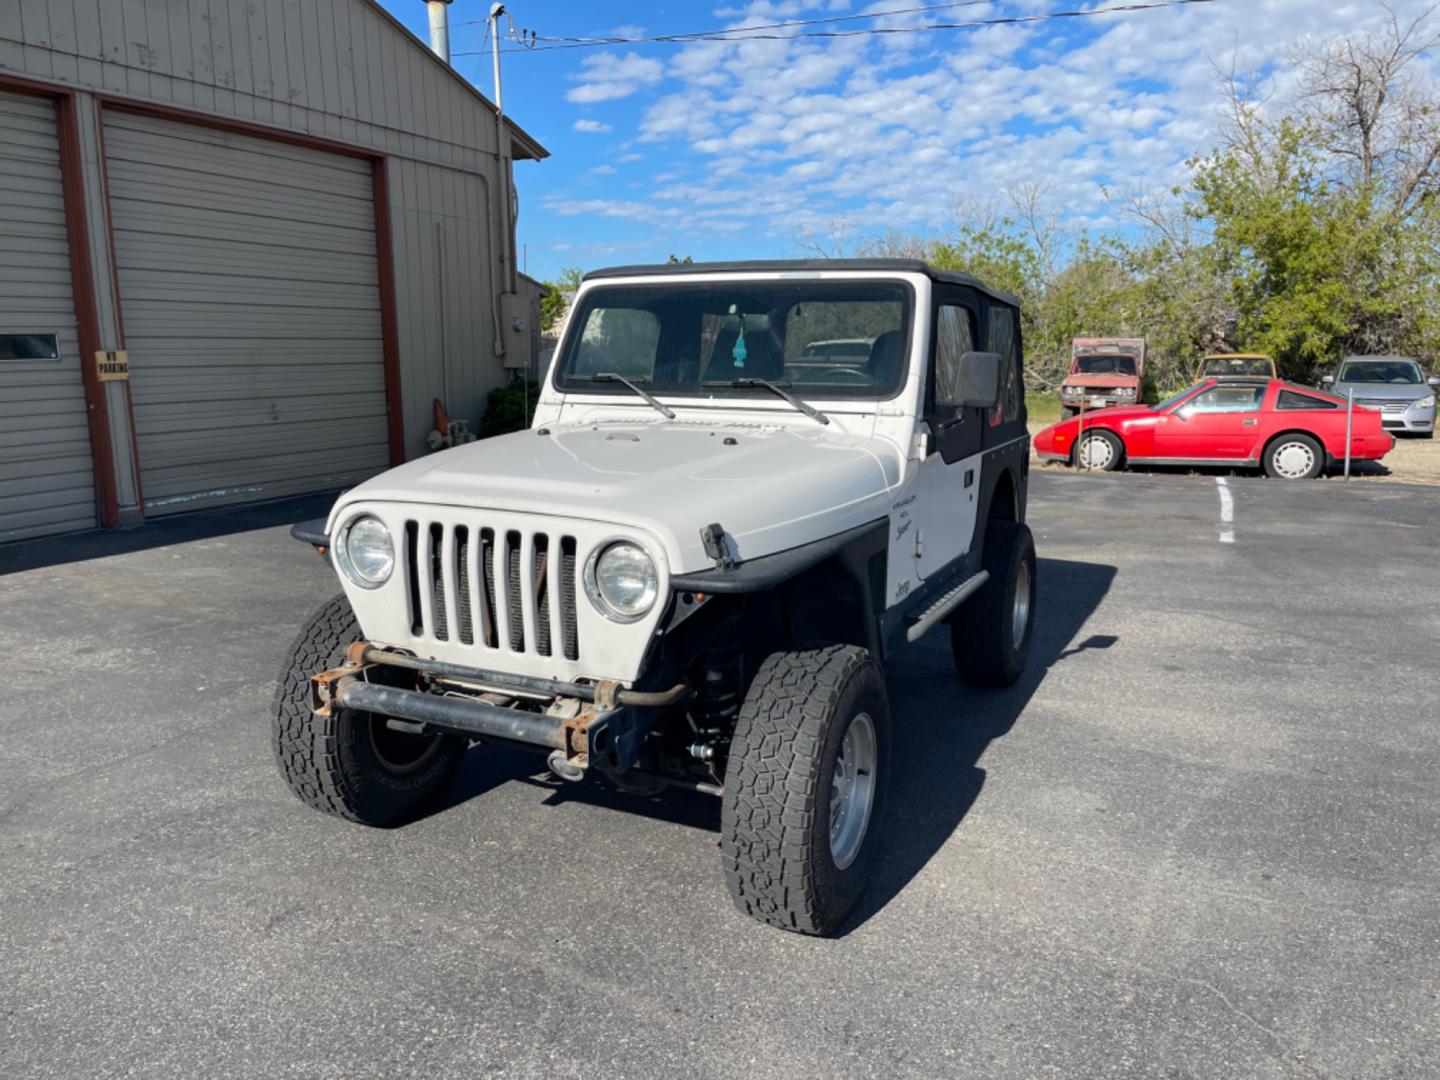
[(46, 479), (341, 70)]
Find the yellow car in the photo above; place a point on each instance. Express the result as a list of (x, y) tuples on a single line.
[(1237, 366)]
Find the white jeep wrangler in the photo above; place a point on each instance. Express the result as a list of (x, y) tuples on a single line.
[(688, 572)]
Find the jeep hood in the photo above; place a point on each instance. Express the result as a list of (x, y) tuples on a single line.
[(772, 487)]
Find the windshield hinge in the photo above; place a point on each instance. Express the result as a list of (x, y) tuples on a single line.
[(716, 545)]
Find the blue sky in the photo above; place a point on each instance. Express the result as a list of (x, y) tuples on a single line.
[(755, 149)]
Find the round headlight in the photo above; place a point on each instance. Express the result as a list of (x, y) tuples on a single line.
[(365, 552), (622, 582)]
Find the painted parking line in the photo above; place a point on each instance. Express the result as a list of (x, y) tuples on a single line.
[(1227, 511)]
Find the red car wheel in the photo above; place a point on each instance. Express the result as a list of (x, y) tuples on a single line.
[(1099, 450)]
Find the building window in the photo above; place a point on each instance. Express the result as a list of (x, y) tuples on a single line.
[(29, 347)]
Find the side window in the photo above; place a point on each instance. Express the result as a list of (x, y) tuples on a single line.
[(1289, 400), (1002, 340), (622, 340), (1225, 399), (954, 337)]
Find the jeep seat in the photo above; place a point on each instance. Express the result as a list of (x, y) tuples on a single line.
[(887, 358)]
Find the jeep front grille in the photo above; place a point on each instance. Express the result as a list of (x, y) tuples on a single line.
[(488, 590)]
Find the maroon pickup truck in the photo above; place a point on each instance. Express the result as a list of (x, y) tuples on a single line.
[(1103, 372)]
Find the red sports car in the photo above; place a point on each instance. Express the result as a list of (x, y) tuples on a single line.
[(1291, 432)]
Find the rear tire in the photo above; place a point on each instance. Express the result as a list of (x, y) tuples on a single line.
[(990, 635), (349, 763), (1294, 457), (1099, 450), (805, 787)]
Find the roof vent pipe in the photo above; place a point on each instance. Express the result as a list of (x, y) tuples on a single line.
[(440, 28)]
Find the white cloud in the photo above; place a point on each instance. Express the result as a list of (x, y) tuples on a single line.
[(607, 76), (892, 132), (593, 127)]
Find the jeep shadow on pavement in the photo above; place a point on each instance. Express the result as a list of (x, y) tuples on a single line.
[(726, 516)]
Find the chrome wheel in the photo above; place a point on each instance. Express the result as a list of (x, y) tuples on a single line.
[(1020, 612), (852, 790), (1096, 452), (1293, 460)]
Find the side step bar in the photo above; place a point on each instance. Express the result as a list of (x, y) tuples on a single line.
[(947, 603)]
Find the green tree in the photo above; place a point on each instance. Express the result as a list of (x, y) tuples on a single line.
[(552, 304)]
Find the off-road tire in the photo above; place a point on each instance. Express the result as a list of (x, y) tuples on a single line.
[(982, 632), (1117, 450), (331, 762), (1270, 458), (775, 817)]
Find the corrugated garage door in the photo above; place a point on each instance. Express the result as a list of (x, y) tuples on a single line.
[(47, 482), (252, 314)]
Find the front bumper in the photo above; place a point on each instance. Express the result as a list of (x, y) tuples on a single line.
[(1401, 416), (1409, 423), (1095, 401), (570, 719)]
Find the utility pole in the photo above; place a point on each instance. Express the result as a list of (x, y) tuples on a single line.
[(507, 196), (502, 151)]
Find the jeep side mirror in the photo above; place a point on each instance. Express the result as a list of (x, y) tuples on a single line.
[(1328, 380), (979, 382)]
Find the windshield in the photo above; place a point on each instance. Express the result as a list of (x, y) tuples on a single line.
[(1105, 364), (1176, 398), (823, 339), (1381, 371), (1236, 365)]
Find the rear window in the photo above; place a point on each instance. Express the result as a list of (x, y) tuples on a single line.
[(1289, 400)]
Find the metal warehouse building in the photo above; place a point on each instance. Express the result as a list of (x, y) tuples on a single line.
[(243, 246)]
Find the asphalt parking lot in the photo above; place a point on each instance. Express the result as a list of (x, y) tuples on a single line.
[(1199, 839)]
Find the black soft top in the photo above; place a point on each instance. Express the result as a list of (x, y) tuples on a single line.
[(888, 266)]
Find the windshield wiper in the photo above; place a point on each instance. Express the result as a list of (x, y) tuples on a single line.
[(779, 389), (610, 376)]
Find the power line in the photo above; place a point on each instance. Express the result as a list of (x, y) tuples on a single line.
[(742, 33), (613, 40)]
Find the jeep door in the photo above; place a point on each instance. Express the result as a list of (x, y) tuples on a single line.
[(947, 479)]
